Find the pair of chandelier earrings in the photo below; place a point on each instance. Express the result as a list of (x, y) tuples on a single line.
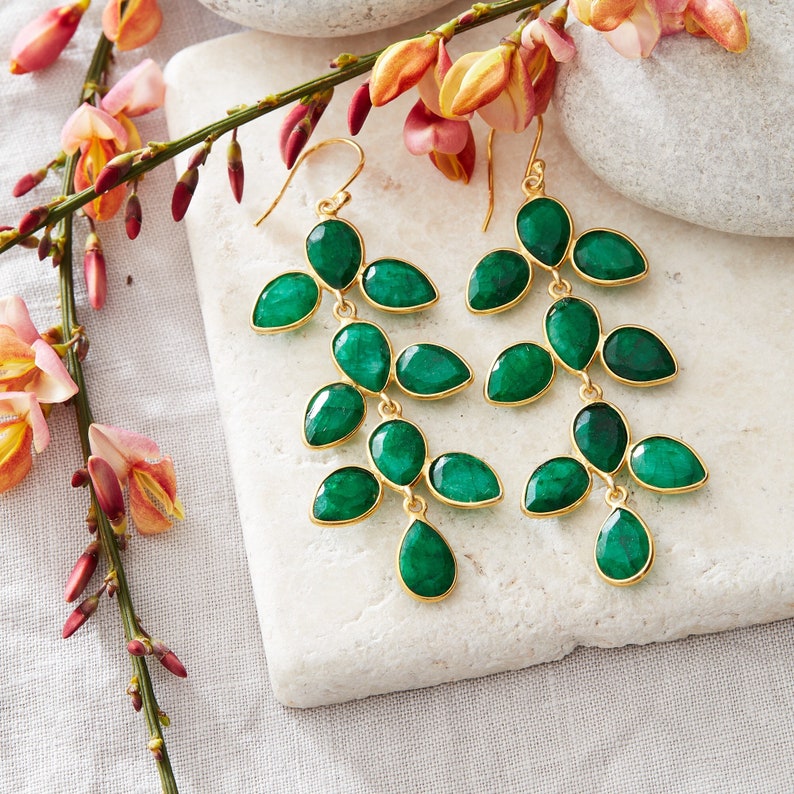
[(399, 456)]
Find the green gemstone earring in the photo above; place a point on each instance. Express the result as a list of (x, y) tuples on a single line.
[(574, 340), (396, 449)]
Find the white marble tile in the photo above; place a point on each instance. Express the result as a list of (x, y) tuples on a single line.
[(335, 622)]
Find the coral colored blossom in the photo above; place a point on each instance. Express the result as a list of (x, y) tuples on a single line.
[(21, 424), (41, 41), (137, 462), (27, 362), (133, 27), (140, 91)]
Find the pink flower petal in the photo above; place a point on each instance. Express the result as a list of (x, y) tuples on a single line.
[(721, 21), (539, 33), (513, 109), (639, 34), (53, 383), (425, 132), (122, 449), (88, 123), (140, 91), (23, 404), (14, 312)]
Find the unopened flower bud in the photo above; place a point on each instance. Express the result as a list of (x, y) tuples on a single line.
[(81, 573), (139, 646), (95, 271), (114, 171), (33, 218), (359, 108), (300, 123), (107, 489), (135, 693), (45, 246), (183, 193), (80, 616), (164, 719), (155, 745), (133, 215), (28, 182), (173, 665), (199, 157), (90, 519), (81, 347), (80, 478), (234, 165), (29, 242)]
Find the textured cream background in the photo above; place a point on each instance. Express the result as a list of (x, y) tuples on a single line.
[(335, 622), (706, 714)]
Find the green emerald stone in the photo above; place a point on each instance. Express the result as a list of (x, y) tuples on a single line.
[(573, 330), (543, 227), (499, 280), (286, 302), (520, 374), (361, 350), (624, 548), (346, 495), (608, 257), (335, 251), (425, 563), (666, 464), (333, 414), (463, 480), (394, 285), (430, 371), (556, 486), (638, 355), (398, 450), (601, 435)]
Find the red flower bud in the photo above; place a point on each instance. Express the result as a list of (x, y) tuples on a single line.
[(80, 478), (139, 647), (28, 182), (81, 573), (173, 665), (199, 157), (359, 108), (183, 193), (234, 163), (80, 616), (44, 247), (133, 215), (95, 271), (114, 171), (32, 219), (135, 694), (299, 124), (107, 488)]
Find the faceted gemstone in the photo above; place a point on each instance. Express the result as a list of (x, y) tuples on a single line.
[(394, 285), (398, 450), (601, 435), (499, 280), (333, 414), (556, 486), (637, 355), (573, 330), (543, 227), (286, 302), (431, 371), (425, 563), (362, 351), (521, 373), (624, 548), (666, 464), (463, 480), (346, 495), (335, 251), (608, 257)]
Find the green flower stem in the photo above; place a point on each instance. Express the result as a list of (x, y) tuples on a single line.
[(83, 412), (162, 152)]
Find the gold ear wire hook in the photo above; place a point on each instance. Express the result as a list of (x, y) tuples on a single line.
[(340, 196), (533, 176)]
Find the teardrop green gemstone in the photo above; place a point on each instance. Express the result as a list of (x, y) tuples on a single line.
[(543, 227), (286, 302), (394, 285), (398, 450), (666, 464), (573, 331), (430, 371), (556, 486), (362, 352), (624, 548), (425, 563), (335, 251), (499, 280), (638, 356), (463, 480), (608, 257), (520, 374), (333, 414), (346, 495), (600, 433)]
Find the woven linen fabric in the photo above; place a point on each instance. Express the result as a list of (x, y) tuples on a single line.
[(709, 714)]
